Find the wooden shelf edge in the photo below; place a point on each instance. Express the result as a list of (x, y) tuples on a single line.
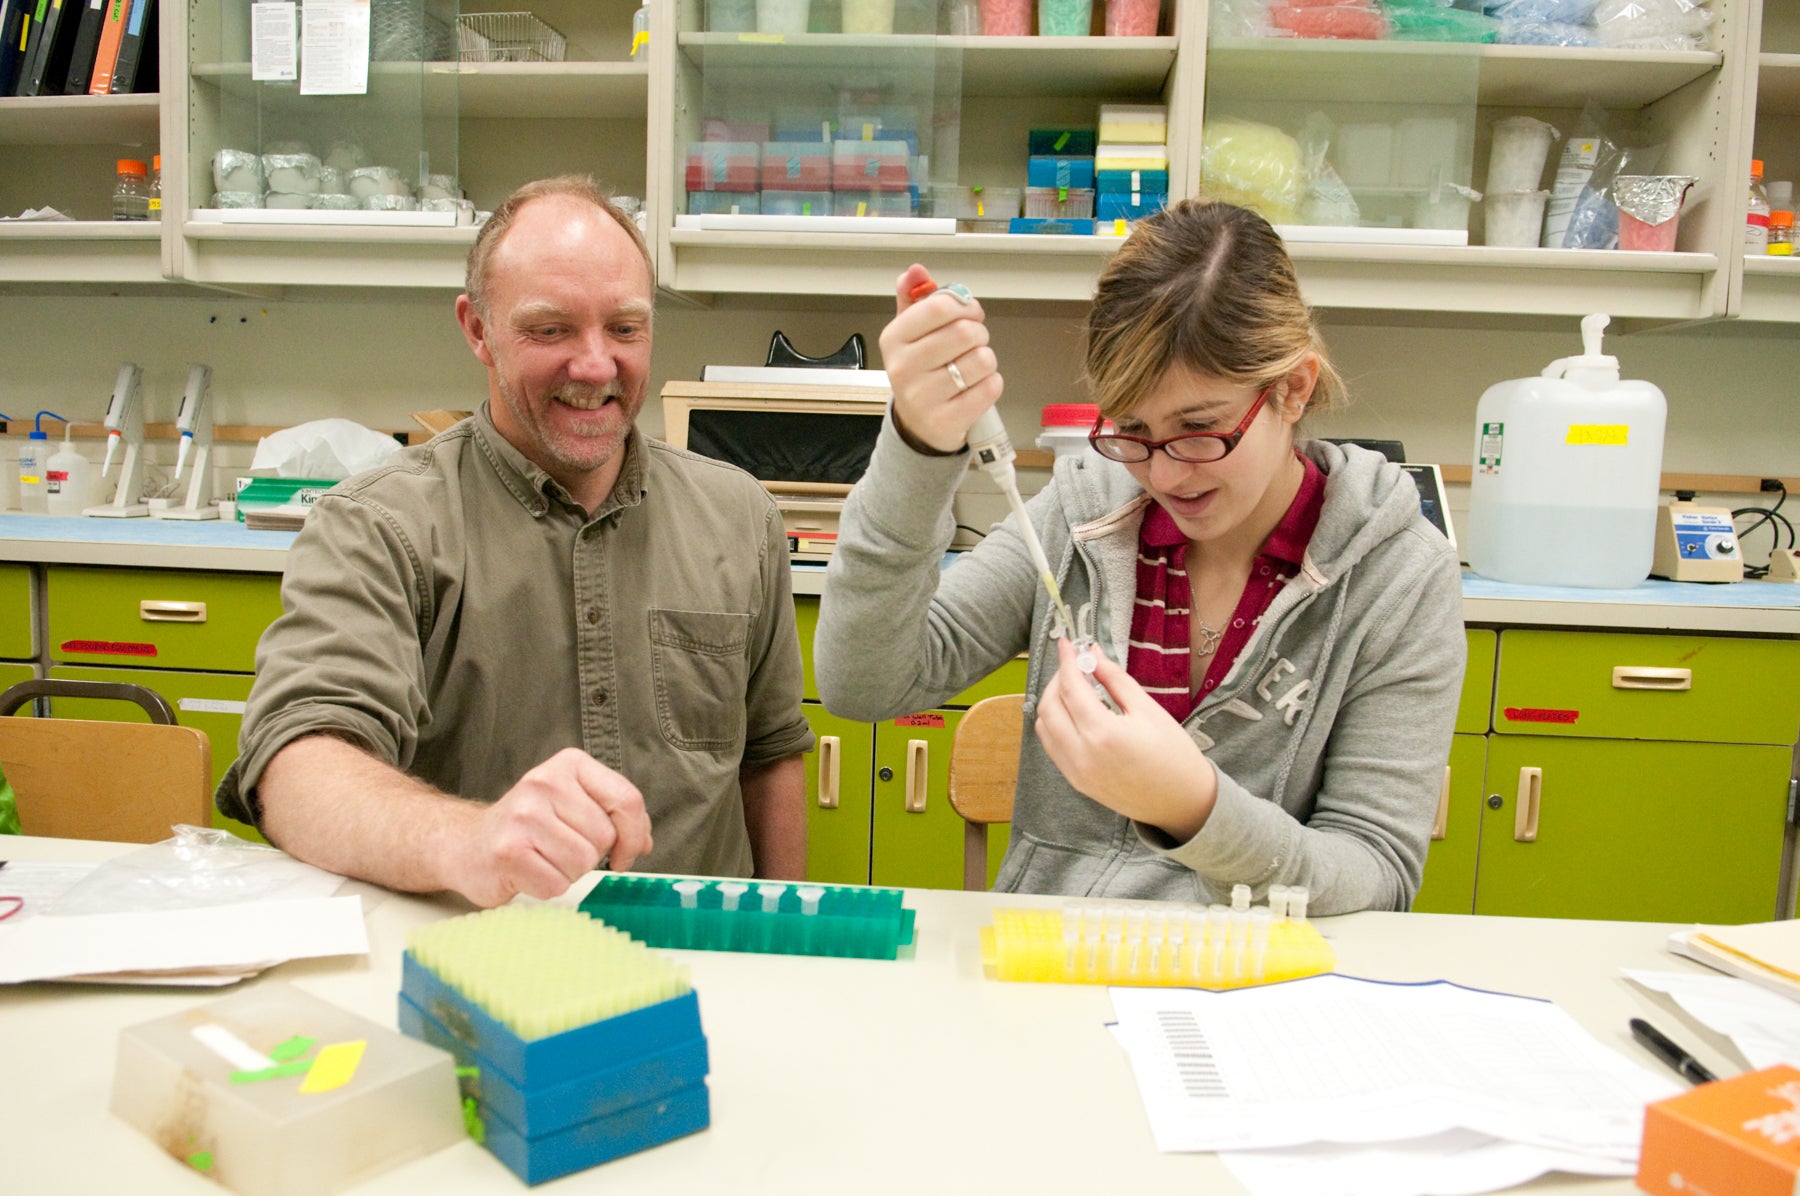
[(1712, 483)]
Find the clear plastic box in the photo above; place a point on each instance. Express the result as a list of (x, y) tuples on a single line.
[(797, 203), (724, 203), (796, 166), (723, 165), (870, 166), (1059, 202), (216, 1110), (872, 203)]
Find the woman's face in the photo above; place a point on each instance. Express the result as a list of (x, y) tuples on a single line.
[(1247, 489)]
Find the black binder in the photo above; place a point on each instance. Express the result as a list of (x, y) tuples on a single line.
[(87, 40), (12, 20), (34, 27), (52, 62), (137, 51)]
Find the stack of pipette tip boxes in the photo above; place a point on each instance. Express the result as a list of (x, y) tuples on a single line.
[(733, 915), (1159, 944), (575, 1044)]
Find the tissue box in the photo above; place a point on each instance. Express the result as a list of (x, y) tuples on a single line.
[(1740, 1136)]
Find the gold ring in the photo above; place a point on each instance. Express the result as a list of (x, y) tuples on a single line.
[(956, 376)]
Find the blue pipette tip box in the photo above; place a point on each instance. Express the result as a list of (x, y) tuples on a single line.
[(558, 1104)]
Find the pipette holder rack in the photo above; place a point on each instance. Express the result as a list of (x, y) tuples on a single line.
[(851, 921), (1149, 945), (199, 502), (125, 422), (554, 1105)]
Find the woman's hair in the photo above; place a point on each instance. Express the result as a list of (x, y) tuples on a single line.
[(576, 186), (1208, 286)]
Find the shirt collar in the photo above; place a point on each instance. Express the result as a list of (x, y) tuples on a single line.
[(1286, 543), (532, 487)]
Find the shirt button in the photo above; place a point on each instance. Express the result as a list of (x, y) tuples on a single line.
[(598, 698), (1265, 570), (593, 615), (1237, 622)]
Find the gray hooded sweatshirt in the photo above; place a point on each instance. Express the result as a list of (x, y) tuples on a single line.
[(1330, 734)]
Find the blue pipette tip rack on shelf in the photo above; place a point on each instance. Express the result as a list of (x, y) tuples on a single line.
[(846, 921)]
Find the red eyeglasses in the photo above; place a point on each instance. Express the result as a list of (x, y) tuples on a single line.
[(1193, 448)]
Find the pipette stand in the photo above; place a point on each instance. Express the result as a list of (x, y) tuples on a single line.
[(194, 429), (125, 420)]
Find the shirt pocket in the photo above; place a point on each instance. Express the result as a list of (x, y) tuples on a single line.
[(697, 658)]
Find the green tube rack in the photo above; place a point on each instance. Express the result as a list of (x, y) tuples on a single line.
[(846, 921)]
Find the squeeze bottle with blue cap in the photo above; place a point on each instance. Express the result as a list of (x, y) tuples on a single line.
[(1567, 473), (68, 478), (34, 458)]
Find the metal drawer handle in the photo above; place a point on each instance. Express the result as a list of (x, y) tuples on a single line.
[(918, 770), (1443, 814), (1525, 817), (172, 612), (830, 765), (1634, 677)]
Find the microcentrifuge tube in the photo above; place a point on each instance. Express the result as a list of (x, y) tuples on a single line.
[(1071, 933), (1240, 897), (1278, 901), (771, 896), (690, 893), (1297, 896), (1259, 940), (1240, 931), (809, 898), (1115, 931), (1215, 937), (729, 892)]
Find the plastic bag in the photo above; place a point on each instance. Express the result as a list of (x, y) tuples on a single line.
[(1594, 224), (198, 867), (1253, 165), (1545, 33), (1238, 18), (1327, 201), (1652, 24), (1559, 12)]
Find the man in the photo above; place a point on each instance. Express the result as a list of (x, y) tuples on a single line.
[(512, 653)]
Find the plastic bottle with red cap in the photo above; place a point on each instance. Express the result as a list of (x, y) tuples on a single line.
[(1066, 427)]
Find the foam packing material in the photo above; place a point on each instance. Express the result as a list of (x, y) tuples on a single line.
[(274, 1092), (1254, 165)]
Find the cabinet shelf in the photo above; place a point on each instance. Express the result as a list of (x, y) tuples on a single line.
[(505, 90), (1771, 289), (1778, 84), (1264, 69), (333, 256), (81, 251), (80, 120), (990, 66)]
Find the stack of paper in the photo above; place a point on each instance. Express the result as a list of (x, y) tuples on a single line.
[(1433, 1087), (1767, 953)]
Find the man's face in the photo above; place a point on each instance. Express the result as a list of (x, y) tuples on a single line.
[(566, 339)]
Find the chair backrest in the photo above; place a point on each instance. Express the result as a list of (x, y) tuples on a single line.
[(984, 769), (81, 779)]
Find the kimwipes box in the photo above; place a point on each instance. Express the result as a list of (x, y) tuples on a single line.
[(1736, 1137)]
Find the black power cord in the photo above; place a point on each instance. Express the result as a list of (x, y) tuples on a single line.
[(1769, 515)]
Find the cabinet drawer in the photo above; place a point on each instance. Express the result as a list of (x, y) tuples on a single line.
[(1700, 689), (15, 612), (165, 618), (1009, 678)]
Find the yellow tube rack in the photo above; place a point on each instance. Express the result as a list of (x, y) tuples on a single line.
[(1152, 946)]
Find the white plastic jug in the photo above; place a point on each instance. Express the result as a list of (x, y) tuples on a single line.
[(1567, 468)]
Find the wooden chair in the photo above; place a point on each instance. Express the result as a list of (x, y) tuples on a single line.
[(125, 782), (984, 768)]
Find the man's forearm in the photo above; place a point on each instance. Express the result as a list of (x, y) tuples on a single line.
[(332, 804), (775, 816)]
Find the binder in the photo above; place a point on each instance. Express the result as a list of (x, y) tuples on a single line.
[(54, 43), (87, 40), (28, 42), (13, 18), (139, 39), (112, 32)]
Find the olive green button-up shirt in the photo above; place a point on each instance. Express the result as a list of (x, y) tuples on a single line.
[(460, 617)]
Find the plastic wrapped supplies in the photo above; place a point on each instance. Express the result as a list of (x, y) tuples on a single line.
[(1252, 164)]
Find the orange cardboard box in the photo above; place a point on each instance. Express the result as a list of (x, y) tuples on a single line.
[(1736, 1137)]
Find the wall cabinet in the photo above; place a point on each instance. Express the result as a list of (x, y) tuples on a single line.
[(629, 122)]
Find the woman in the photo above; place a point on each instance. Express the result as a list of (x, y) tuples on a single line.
[(1290, 626)]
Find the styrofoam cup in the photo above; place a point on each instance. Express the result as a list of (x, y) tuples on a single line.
[(1514, 218)]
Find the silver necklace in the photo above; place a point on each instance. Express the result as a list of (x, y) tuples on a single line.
[(1209, 639)]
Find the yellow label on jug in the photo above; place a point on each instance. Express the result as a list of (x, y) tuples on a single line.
[(1597, 434)]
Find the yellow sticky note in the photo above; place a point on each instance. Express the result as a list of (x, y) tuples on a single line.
[(1597, 434), (335, 1066)]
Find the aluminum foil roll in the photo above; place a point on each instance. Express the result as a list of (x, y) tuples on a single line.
[(1651, 198)]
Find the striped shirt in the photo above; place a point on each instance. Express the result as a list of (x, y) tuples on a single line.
[(1159, 658)]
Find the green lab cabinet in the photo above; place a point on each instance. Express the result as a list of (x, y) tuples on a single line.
[(837, 797), (212, 703), (15, 612), (11, 673), (1450, 866), (1473, 711), (1632, 830), (159, 618), (1682, 688)]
